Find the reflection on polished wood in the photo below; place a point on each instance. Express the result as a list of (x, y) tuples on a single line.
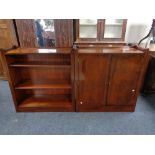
[(109, 78), (39, 51), (104, 50)]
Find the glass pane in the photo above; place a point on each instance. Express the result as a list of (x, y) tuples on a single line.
[(88, 28), (45, 32), (113, 28)]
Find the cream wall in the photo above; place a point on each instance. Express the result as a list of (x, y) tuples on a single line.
[(137, 29)]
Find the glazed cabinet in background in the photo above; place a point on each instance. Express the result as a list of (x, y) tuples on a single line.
[(100, 30)]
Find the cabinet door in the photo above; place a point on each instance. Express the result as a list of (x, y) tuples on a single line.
[(92, 81), (123, 80)]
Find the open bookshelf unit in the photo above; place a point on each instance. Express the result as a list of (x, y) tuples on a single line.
[(41, 81)]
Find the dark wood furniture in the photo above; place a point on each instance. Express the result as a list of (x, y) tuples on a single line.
[(7, 40), (3, 75), (96, 74), (149, 82), (63, 32), (82, 79), (108, 79), (41, 79)]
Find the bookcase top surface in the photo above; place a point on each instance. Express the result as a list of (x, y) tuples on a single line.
[(39, 51)]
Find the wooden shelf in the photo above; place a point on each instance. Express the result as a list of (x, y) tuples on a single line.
[(43, 79), (25, 51), (43, 85), (45, 102), (40, 64)]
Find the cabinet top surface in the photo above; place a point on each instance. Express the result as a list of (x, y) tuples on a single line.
[(97, 50), (39, 51), (100, 50)]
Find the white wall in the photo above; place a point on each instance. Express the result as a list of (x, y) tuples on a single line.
[(137, 29)]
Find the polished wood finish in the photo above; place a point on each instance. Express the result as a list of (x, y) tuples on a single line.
[(92, 81), (39, 64), (96, 75), (84, 79), (43, 85), (26, 32), (26, 51), (109, 49), (45, 103), (63, 32), (7, 40), (3, 75), (109, 79), (41, 79), (99, 43), (124, 74), (7, 34)]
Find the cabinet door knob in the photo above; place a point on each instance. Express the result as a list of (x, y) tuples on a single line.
[(133, 90), (81, 102)]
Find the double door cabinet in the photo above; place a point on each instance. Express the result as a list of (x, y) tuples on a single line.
[(108, 82), (83, 79)]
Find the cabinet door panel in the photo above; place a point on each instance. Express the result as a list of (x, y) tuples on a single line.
[(93, 70), (124, 75), (64, 32)]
